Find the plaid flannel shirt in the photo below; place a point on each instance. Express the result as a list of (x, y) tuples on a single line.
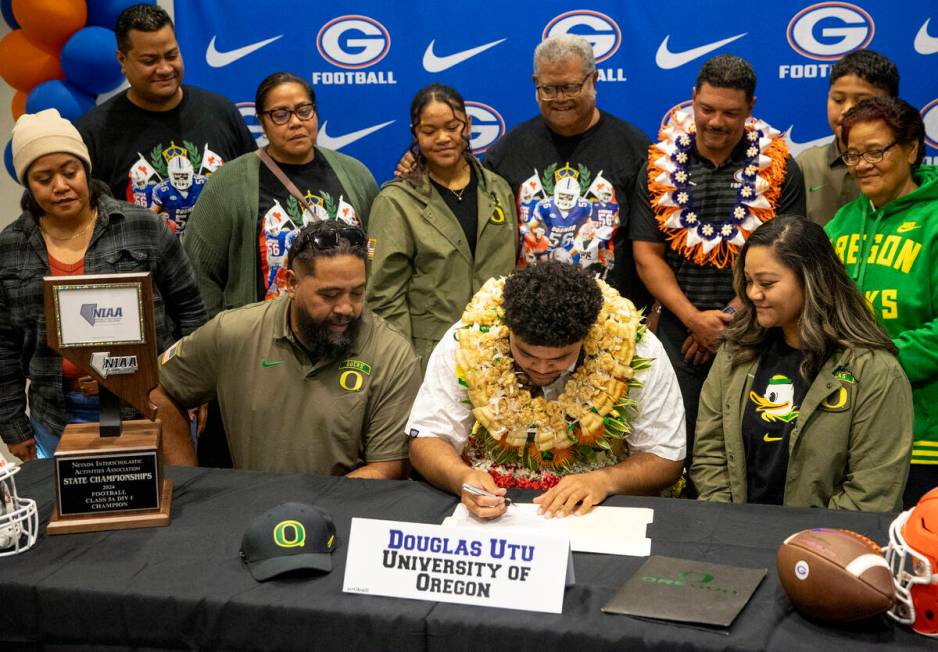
[(126, 239)]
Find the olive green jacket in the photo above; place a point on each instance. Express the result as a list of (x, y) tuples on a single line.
[(849, 449), (422, 272)]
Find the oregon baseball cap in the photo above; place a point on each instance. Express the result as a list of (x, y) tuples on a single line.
[(289, 537)]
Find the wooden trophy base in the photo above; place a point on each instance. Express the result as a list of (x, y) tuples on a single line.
[(110, 483)]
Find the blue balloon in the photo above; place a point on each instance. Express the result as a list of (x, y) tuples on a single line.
[(71, 101), (88, 60), (8, 160), (6, 8), (104, 13)]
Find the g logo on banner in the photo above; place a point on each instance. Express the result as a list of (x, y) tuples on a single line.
[(829, 30), (599, 29), (930, 118), (249, 114), (487, 126), (366, 45), (290, 534)]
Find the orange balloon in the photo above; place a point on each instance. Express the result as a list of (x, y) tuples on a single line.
[(18, 105), (50, 22), (24, 65)]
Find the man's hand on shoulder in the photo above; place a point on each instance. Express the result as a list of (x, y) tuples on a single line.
[(583, 489)]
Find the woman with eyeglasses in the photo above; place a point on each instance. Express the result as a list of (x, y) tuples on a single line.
[(442, 230), (806, 404), (888, 240), (251, 209)]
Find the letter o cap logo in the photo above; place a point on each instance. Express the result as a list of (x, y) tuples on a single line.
[(290, 534)]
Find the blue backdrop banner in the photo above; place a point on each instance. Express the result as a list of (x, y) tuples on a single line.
[(366, 59)]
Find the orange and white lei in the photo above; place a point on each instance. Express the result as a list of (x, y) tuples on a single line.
[(671, 192)]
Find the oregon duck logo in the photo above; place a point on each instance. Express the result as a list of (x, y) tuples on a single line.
[(777, 404), (353, 375), (837, 401), (290, 534), (498, 216)]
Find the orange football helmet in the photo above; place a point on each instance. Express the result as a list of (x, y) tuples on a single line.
[(912, 554)]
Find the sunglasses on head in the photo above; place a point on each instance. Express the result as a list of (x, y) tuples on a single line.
[(331, 238)]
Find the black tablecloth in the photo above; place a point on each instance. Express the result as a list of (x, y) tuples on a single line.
[(184, 586)]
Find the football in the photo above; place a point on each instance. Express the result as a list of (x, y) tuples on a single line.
[(835, 575)]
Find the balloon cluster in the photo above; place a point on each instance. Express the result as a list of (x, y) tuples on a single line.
[(60, 55)]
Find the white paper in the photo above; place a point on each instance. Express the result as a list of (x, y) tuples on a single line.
[(604, 530), (98, 314), (491, 567)]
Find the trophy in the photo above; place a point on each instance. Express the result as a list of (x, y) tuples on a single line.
[(108, 475)]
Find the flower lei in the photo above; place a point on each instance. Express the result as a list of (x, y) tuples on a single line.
[(672, 195), (531, 442)]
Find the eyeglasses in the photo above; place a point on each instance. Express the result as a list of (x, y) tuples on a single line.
[(551, 91), (283, 116), (852, 157), (331, 238)]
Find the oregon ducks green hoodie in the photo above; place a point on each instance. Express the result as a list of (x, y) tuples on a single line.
[(890, 253)]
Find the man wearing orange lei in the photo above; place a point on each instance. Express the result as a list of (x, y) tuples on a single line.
[(712, 179), (549, 381)]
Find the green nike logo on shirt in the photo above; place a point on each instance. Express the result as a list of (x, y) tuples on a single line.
[(815, 188), (270, 363)]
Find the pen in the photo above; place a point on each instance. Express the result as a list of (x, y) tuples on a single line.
[(479, 491)]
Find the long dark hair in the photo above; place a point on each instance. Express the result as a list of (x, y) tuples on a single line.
[(427, 95), (835, 314)]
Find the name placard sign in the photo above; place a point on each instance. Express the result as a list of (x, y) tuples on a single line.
[(487, 567)]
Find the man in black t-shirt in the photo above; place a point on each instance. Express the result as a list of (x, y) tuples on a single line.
[(157, 142), (572, 169), (715, 177)]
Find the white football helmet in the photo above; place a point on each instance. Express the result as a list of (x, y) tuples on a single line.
[(566, 192), (19, 518), (180, 172)]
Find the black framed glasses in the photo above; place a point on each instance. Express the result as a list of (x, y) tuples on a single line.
[(332, 238), (552, 91), (282, 116), (852, 157)]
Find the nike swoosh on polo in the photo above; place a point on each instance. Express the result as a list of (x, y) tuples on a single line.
[(816, 188), (338, 142), (433, 63), (668, 60), (270, 363), (925, 43), (770, 440), (217, 59), (795, 148)]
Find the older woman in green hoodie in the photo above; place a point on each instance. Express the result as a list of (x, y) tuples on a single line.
[(441, 231), (888, 240)]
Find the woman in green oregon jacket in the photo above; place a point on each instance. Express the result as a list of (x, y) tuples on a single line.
[(436, 235), (806, 404)]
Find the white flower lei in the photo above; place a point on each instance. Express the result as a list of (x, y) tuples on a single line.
[(592, 411)]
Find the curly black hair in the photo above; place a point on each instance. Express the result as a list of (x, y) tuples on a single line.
[(551, 304)]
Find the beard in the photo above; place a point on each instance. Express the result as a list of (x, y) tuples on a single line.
[(320, 342)]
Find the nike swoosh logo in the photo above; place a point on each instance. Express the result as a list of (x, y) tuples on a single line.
[(433, 63), (338, 142), (668, 60), (270, 363), (905, 228), (768, 439), (815, 188), (795, 148), (925, 43), (217, 59)]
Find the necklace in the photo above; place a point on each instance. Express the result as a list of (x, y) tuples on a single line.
[(77, 234), (457, 193), (672, 197)]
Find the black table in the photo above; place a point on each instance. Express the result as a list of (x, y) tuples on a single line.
[(183, 586)]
